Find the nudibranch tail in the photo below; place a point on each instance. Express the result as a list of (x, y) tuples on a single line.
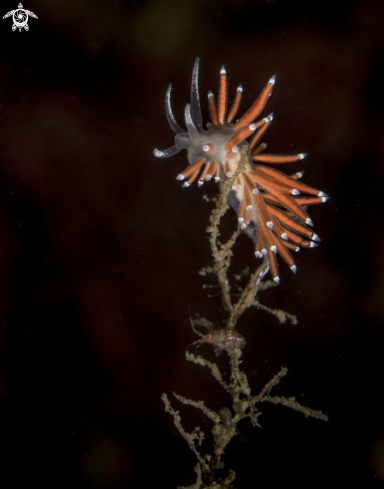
[(269, 204)]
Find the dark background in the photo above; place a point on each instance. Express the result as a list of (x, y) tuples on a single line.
[(100, 247)]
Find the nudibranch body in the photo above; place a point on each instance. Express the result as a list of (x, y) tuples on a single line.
[(269, 204)]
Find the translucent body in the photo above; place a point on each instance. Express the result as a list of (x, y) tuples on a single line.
[(221, 340), (224, 339)]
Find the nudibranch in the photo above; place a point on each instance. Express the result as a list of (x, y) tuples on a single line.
[(270, 206)]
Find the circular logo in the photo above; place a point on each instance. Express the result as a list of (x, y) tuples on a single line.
[(20, 18)]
